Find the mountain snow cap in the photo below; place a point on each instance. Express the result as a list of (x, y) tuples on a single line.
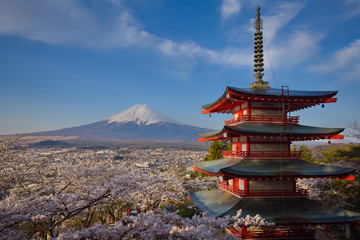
[(142, 114)]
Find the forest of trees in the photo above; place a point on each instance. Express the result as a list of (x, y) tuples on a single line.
[(81, 199)]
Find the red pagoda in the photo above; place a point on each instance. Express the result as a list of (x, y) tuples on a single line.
[(259, 174)]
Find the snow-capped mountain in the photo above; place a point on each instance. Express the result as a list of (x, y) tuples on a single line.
[(140, 122), (142, 115)]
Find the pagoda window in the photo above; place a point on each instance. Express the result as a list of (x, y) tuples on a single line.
[(245, 112), (236, 183), (233, 147), (241, 184), (244, 147)]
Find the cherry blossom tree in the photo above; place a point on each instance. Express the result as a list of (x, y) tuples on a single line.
[(336, 192), (204, 183), (9, 147), (81, 198), (49, 195), (163, 225), (355, 126)]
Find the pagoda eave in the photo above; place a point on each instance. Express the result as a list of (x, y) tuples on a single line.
[(272, 169), (292, 211), (212, 174), (298, 100), (292, 138), (252, 177), (294, 132), (268, 177)]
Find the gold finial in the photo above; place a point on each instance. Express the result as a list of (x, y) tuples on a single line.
[(258, 54), (258, 21)]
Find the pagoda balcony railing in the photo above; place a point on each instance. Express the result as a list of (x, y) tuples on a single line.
[(261, 118), (260, 193), (298, 233), (261, 154), (227, 188)]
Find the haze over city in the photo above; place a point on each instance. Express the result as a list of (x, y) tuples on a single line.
[(69, 63)]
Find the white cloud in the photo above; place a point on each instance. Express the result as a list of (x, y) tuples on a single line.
[(54, 22), (229, 7), (70, 22), (347, 60), (172, 49), (292, 48), (282, 15), (230, 57), (298, 47), (126, 32), (355, 7), (345, 57), (354, 74)]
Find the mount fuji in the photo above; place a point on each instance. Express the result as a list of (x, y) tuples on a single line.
[(142, 115), (139, 122)]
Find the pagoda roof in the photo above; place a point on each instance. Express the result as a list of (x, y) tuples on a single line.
[(218, 203), (297, 131), (262, 168), (297, 99)]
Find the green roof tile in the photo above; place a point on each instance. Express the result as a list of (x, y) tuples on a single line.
[(218, 203)]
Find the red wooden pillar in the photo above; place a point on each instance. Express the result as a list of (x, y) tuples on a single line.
[(326, 230), (243, 231), (249, 109), (246, 186), (248, 145), (236, 183)]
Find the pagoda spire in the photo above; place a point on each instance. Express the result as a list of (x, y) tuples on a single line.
[(258, 54)]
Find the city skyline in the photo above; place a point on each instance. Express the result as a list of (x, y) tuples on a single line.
[(69, 63)]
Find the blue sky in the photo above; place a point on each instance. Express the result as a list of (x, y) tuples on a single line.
[(69, 63)]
